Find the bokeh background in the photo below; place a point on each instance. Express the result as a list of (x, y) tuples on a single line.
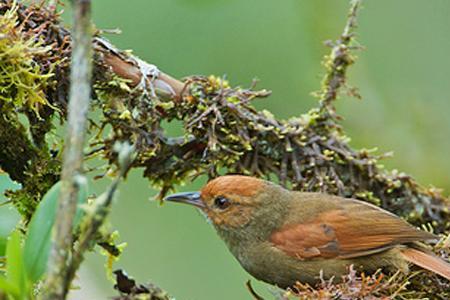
[(403, 76)]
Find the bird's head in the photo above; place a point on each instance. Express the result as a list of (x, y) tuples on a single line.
[(232, 202)]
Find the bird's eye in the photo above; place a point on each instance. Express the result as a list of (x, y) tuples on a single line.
[(221, 202)]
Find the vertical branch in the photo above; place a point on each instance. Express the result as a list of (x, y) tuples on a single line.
[(338, 61), (79, 98)]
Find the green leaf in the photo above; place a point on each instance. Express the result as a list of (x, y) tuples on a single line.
[(38, 242), (8, 288), (2, 246), (39, 238), (8, 215), (8, 220), (15, 270)]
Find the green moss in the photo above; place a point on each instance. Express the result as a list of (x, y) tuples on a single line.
[(26, 85), (22, 81)]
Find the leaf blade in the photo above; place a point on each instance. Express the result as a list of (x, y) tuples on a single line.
[(39, 237), (15, 270), (8, 287), (38, 242)]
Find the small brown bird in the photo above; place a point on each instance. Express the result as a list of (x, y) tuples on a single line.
[(281, 236)]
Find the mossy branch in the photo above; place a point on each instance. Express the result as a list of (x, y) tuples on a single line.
[(58, 280), (337, 62)]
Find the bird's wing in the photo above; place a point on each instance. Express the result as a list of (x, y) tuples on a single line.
[(350, 228)]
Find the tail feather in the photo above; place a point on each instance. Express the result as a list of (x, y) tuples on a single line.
[(427, 261)]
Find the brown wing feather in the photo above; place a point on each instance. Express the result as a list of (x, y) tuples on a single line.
[(350, 229)]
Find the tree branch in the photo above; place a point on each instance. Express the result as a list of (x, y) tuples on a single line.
[(80, 94), (138, 72), (338, 61)]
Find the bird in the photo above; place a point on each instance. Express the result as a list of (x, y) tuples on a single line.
[(282, 237)]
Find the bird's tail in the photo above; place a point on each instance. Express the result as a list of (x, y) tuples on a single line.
[(427, 261)]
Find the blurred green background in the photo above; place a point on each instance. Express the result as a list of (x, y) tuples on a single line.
[(403, 76)]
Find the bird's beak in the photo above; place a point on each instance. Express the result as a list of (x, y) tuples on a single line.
[(192, 198)]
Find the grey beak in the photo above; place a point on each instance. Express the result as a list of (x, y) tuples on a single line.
[(192, 198)]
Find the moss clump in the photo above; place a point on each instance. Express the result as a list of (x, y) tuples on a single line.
[(27, 89), (22, 81)]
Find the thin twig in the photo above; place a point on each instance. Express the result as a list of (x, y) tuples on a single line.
[(97, 216), (80, 92), (338, 61)]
